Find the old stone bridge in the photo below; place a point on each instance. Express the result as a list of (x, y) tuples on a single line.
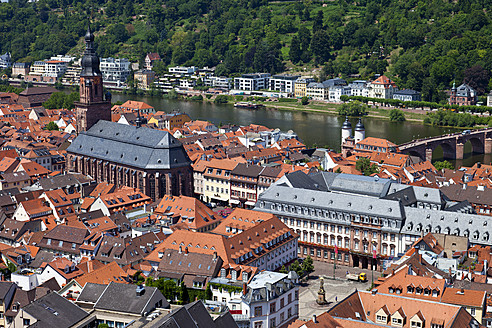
[(452, 144)]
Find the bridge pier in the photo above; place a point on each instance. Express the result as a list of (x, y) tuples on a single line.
[(488, 146), (428, 154), (460, 150)]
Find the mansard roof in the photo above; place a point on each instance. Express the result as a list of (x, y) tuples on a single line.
[(331, 201), (130, 146)]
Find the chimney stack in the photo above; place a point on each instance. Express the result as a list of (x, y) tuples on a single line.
[(314, 318), (214, 256), (186, 250), (244, 288), (180, 249)]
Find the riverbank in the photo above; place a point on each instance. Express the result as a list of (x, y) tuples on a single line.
[(332, 109)]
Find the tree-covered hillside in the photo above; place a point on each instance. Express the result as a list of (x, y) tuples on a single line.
[(423, 45)]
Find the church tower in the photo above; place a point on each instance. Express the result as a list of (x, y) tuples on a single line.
[(92, 106)]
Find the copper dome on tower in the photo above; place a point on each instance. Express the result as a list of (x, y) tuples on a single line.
[(90, 61), (359, 126), (347, 124)]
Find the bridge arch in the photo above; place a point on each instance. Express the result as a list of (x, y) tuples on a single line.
[(478, 146), (416, 154), (448, 150)]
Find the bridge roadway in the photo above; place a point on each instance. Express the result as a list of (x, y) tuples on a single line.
[(452, 144)]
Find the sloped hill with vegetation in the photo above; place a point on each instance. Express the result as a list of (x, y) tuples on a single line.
[(423, 45)]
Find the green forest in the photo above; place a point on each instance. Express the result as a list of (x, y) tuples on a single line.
[(422, 45)]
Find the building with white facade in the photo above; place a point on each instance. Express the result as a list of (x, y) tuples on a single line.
[(187, 83), (49, 68), (115, 69), (359, 88), (55, 68), (182, 70), (283, 83), (335, 92), (382, 88), (219, 82), (271, 300), (368, 219), (407, 95), (5, 60), (252, 82), (321, 91), (63, 58)]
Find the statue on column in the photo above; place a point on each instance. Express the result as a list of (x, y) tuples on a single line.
[(321, 293)]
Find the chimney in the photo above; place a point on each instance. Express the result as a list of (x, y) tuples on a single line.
[(314, 318), (244, 288), (419, 257), (374, 291), (214, 256), (180, 249), (392, 272), (186, 250)]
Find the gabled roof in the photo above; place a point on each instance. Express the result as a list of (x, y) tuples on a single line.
[(122, 298), (111, 272), (187, 210), (464, 297), (131, 146), (53, 311)]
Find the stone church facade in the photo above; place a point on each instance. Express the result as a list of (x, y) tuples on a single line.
[(148, 159)]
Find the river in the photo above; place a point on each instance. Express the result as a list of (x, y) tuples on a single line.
[(315, 129)]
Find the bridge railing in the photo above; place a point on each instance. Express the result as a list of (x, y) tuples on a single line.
[(443, 136)]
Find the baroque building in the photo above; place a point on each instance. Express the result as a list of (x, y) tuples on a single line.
[(362, 221), (150, 160)]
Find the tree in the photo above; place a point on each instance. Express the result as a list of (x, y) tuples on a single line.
[(283, 269), (221, 99), (295, 51), (396, 115), (478, 78), (168, 288), (353, 108), (59, 100), (304, 100), (318, 22), (364, 166), (208, 292), (320, 46), (307, 265), (296, 267), (51, 126), (183, 293), (159, 68), (443, 165), (172, 94)]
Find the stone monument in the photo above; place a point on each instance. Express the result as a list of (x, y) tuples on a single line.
[(321, 293)]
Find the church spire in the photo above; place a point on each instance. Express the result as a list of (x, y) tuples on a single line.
[(90, 61)]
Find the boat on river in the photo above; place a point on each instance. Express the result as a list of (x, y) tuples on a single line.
[(248, 105)]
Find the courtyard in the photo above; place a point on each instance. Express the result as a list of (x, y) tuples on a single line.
[(335, 289)]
